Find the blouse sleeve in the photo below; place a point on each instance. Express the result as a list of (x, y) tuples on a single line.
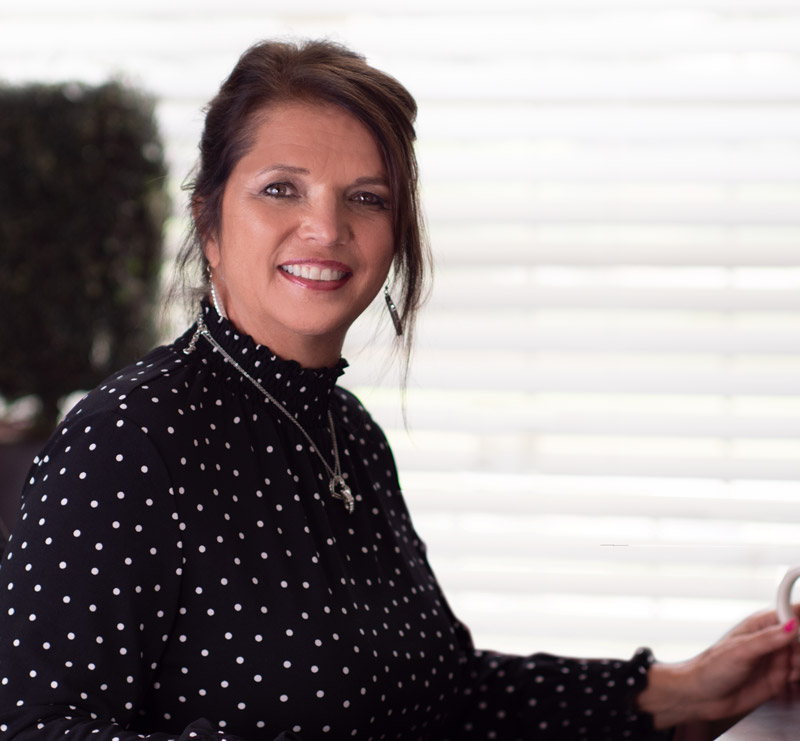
[(89, 588), (552, 697)]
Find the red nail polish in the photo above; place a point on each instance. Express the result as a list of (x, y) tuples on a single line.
[(790, 626)]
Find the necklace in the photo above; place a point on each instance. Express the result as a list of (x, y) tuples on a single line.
[(337, 486)]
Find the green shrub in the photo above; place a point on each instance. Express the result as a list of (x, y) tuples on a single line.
[(82, 208)]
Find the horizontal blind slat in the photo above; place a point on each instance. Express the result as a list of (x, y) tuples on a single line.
[(618, 122), (576, 375), (582, 423), (634, 204), (438, 459), (539, 501), (696, 584), (253, 8), (508, 291), (741, 164)]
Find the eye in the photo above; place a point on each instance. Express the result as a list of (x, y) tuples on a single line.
[(279, 190), (366, 198)]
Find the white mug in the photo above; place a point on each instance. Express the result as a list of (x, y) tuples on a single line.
[(785, 613)]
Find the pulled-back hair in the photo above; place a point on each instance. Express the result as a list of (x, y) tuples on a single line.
[(273, 72)]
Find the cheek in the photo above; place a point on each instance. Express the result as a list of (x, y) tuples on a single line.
[(387, 251), (390, 254), (244, 251), (382, 264)]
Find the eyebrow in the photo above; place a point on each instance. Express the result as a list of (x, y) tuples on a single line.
[(372, 180), (291, 169), (294, 170)]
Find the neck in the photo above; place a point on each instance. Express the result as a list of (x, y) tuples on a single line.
[(309, 351), (309, 356)]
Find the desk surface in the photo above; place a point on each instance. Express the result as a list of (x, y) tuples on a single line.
[(776, 720)]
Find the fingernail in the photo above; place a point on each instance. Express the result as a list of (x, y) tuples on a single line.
[(790, 626)]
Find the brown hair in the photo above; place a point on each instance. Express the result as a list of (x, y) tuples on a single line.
[(314, 71)]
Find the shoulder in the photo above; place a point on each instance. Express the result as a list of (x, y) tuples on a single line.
[(162, 394), (348, 403), (354, 416), (159, 370), (108, 432), (366, 439), (99, 469)]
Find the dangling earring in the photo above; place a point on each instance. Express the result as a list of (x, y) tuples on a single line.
[(214, 297), (398, 324)]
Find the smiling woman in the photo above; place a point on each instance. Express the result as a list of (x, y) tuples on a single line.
[(215, 545), (306, 239), (369, 108)]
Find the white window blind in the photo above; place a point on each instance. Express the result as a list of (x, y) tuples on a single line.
[(604, 406)]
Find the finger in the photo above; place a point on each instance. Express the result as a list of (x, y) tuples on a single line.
[(766, 640), (756, 622), (794, 663), (767, 616), (795, 608), (791, 627), (780, 670), (761, 620)]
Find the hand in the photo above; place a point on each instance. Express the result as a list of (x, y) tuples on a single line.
[(749, 665)]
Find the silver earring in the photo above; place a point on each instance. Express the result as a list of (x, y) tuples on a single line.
[(214, 298), (398, 324)]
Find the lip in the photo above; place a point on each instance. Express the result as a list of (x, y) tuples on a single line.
[(317, 285)]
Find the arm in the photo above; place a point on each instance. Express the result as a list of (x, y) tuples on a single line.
[(744, 669), (90, 588), (554, 697)]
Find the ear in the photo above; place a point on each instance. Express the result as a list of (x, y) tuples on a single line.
[(210, 245), (212, 253)]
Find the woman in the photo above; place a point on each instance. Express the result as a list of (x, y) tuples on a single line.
[(214, 543)]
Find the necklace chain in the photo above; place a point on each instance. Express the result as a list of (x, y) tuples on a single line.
[(337, 486)]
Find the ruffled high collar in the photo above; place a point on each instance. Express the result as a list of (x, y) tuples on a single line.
[(304, 392)]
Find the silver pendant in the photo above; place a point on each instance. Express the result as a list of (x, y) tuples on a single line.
[(342, 491)]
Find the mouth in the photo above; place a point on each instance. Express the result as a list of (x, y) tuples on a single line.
[(316, 275), (314, 272)]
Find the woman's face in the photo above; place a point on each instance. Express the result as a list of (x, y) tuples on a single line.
[(305, 239)]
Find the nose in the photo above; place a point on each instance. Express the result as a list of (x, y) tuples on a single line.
[(325, 222)]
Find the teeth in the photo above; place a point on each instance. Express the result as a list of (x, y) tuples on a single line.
[(312, 272)]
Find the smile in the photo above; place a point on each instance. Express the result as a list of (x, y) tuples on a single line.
[(313, 272)]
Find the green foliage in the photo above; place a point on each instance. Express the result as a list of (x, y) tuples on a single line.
[(82, 209)]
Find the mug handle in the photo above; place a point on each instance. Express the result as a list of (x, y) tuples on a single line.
[(785, 613)]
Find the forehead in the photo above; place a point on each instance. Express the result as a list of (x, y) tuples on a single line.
[(316, 133)]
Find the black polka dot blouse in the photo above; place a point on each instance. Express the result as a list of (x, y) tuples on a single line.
[(180, 570)]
